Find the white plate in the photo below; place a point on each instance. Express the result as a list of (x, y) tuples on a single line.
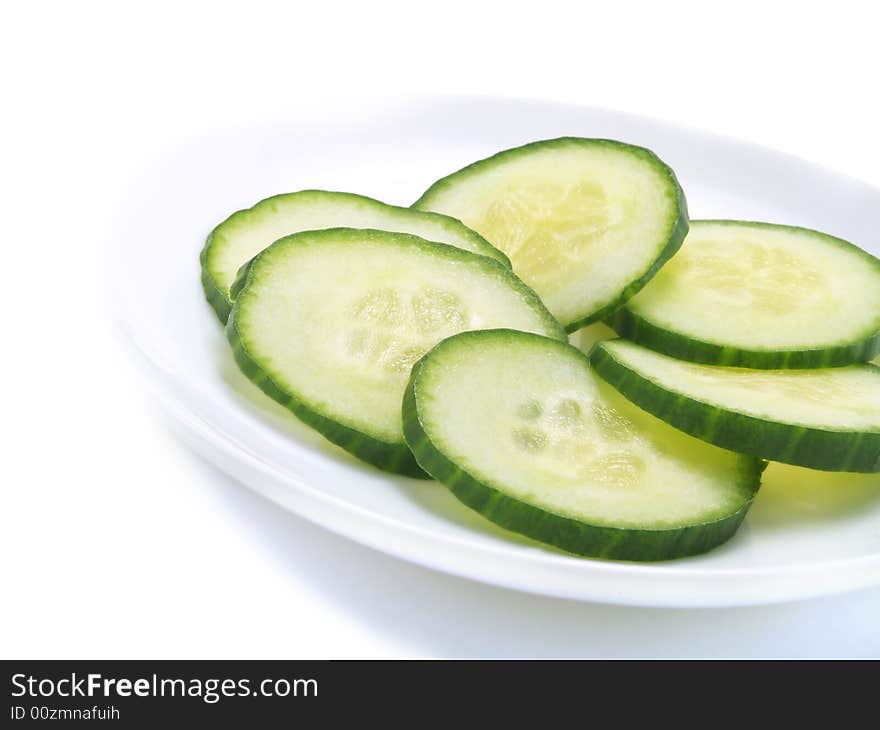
[(808, 533)]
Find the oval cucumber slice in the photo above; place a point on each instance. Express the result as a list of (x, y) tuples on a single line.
[(329, 324), (244, 234), (760, 295), (521, 430), (825, 419), (585, 222)]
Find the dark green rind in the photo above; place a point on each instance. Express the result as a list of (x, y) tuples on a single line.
[(642, 331), (220, 302), (561, 531), (390, 457), (675, 237), (241, 279), (638, 329), (813, 448), (216, 298)]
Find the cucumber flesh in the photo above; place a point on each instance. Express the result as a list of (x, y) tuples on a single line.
[(823, 419), (760, 295), (585, 222), (329, 324), (521, 430), (244, 234)]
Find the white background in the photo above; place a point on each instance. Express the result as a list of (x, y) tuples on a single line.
[(116, 541)]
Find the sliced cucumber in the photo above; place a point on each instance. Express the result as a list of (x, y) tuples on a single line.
[(824, 419), (520, 429), (585, 222), (760, 295), (244, 234), (329, 324)]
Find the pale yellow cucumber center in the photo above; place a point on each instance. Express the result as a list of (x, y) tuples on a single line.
[(389, 329), (546, 228), (746, 272), (590, 441)]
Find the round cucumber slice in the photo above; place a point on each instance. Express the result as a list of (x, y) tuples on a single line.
[(521, 430), (760, 295), (329, 324), (585, 222), (244, 234), (825, 419)]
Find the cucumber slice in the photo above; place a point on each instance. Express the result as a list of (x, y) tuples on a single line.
[(520, 429), (760, 295), (823, 419), (244, 234), (586, 222), (329, 324)]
